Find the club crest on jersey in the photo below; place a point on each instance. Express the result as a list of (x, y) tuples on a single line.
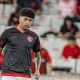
[(30, 38)]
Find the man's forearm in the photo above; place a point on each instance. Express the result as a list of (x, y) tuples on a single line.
[(38, 61)]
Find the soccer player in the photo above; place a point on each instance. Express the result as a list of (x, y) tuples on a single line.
[(19, 42)]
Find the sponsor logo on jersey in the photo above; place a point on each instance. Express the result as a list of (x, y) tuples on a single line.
[(30, 38)]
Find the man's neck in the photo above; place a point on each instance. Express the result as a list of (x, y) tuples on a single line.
[(20, 29)]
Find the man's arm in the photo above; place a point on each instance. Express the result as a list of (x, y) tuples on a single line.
[(3, 40), (36, 49), (37, 64), (37, 60)]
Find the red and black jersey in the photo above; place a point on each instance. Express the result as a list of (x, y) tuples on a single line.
[(18, 50)]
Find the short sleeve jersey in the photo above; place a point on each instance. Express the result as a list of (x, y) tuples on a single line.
[(18, 50)]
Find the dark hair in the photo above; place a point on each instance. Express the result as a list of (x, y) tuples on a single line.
[(71, 38), (28, 12), (67, 18)]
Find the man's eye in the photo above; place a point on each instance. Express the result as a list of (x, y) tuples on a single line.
[(30, 20), (25, 19)]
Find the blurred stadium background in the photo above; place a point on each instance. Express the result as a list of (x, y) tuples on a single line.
[(48, 19)]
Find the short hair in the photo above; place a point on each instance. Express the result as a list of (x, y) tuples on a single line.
[(72, 38), (28, 12), (68, 18)]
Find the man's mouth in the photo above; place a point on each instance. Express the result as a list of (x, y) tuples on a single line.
[(27, 27)]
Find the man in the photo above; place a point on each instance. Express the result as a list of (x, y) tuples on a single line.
[(20, 41)]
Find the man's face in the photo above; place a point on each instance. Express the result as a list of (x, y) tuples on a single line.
[(25, 22)]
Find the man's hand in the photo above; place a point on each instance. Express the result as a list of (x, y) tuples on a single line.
[(37, 74)]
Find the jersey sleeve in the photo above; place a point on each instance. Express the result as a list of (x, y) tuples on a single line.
[(36, 46), (3, 39)]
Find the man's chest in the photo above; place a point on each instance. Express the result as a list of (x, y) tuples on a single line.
[(17, 39)]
